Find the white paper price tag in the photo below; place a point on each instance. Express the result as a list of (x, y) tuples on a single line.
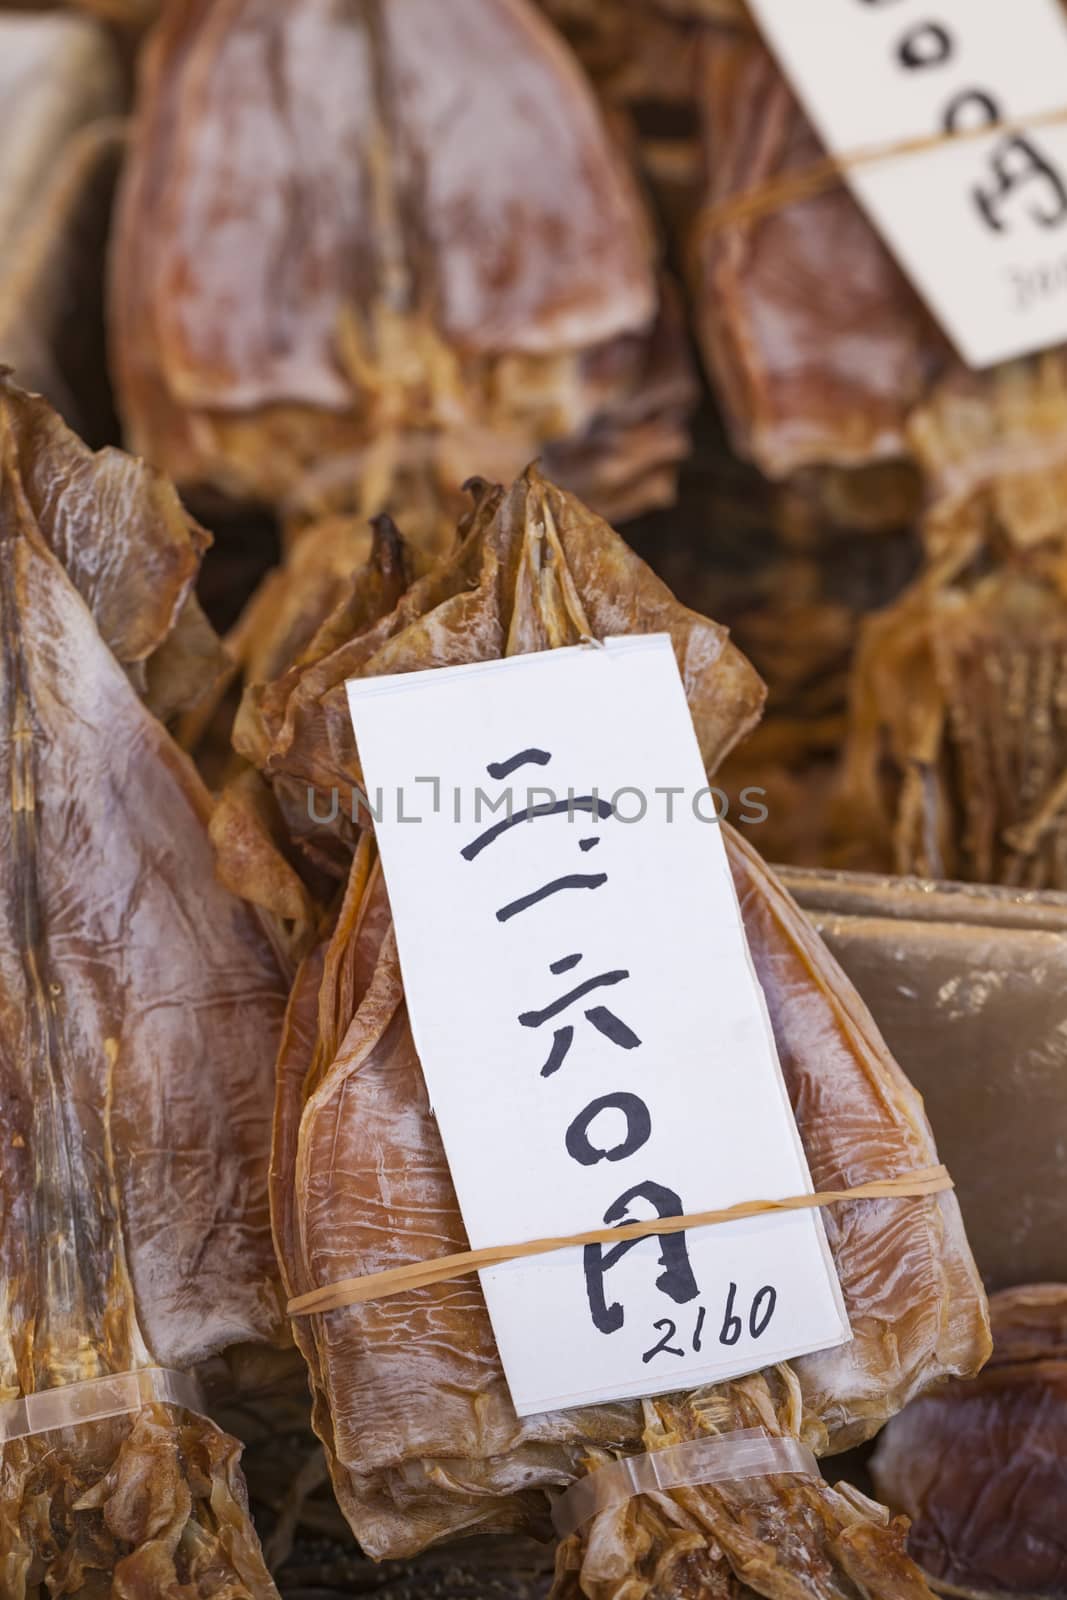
[(979, 226), (593, 1037)]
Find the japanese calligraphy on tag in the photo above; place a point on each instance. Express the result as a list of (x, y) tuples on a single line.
[(980, 226), (592, 1033)]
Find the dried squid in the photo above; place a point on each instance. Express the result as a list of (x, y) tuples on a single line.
[(981, 1467), (834, 378), (393, 235), (409, 1396), (958, 729), (140, 1006)]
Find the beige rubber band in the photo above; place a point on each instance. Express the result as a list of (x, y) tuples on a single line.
[(718, 1458), (74, 1404), (791, 187), (441, 1269)]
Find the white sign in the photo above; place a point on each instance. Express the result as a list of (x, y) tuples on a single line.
[(594, 1040), (981, 225)]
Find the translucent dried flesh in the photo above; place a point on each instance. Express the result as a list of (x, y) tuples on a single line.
[(957, 773), (980, 1467), (821, 353), (409, 1396), (139, 1012), (482, 281)]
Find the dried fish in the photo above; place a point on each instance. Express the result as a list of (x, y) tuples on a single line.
[(479, 289), (981, 1468), (409, 1397), (140, 1009)]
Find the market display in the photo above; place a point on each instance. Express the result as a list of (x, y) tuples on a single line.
[(373, 377)]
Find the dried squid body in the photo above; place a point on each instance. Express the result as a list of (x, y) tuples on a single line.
[(139, 1011), (473, 279), (410, 1399)]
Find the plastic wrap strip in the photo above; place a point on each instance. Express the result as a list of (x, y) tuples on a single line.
[(73, 1404), (719, 1458)]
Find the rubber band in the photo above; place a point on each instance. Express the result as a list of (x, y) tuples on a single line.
[(790, 188), (718, 1458), (442, 1269), (71, 1405)]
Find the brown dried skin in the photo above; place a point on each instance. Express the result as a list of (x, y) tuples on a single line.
[(992, 450), (125, 542), (409, 1395), (536, 569), (777, 1537), (824, 359), (321, 595), (482, 281), (957, 738), (980, 1467), (139, 1010), (134, 1509), (818, 347)]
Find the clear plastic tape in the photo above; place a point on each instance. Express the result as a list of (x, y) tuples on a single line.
[(718, 1458), (73, 1404)]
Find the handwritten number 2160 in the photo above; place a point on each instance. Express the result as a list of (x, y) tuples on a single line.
[(760, 1313)]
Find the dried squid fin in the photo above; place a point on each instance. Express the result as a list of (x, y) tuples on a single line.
[(122, 536), (253, 854), (410, 92), (536, 570)]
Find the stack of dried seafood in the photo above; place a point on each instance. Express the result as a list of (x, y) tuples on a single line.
[(981, 1467), (834, 380), (141, 1008), (338, 243), (409, 1397)]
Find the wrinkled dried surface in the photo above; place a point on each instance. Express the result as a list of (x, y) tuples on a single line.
[(409, 1397), (958, 727), (958, 733), (981, 1467), (480, 288), (817, 345), (821, 353), (139, 1011)]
